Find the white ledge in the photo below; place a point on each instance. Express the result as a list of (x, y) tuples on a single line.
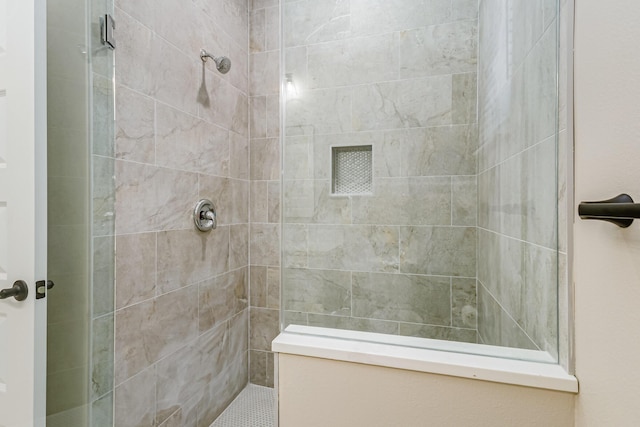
[(429, 356)]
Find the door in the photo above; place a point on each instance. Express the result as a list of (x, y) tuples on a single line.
[(607, 258), (22, 210)]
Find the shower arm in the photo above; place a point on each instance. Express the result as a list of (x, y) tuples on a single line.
[(204, 55)]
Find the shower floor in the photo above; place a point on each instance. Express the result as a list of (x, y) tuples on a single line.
[(255, 406)]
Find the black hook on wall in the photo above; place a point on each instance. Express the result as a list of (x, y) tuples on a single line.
[(619, 210)]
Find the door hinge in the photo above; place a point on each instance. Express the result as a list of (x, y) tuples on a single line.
[(107, 26)]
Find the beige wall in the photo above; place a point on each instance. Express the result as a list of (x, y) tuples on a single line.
[(607, 277), (319, 392)]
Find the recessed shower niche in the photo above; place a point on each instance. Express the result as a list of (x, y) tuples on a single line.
[(352, 171)]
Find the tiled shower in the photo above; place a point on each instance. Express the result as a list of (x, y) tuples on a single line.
[(183, 320), (400, 78)]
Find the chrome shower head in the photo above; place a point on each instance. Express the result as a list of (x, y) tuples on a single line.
[(223, 64)]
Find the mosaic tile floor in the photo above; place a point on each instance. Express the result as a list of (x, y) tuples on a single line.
[(255, 406)]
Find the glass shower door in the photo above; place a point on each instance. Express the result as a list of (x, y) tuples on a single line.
[(419, 169), (80, 216)]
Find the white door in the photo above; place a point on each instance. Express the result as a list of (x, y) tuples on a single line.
[(607, 258), (22, 210)]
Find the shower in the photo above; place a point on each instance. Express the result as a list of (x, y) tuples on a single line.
[(223, 64), (354, 190)]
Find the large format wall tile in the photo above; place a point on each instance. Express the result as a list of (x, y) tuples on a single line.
[(232, 113), (103, 195), (135, 126), (264, 245), (416, 299), (401, 77), (354, 247), (353, 61), (317, 291), (400, 104), (316, 21), (186, 257), (161, 326), (464, 303), (150, 198), (264, 78), (380, 16), (446, 251), (497, 327), (435, 151), (179, 381), (135, 400), (312, 202), (229, 197), (264, 328), (323, 111), (231, 15), (238, 246), (464, 98), (540, 317), (223, 367), (135, 50), (405, 201), (102, 356), (135, 268), (221, 298), (183, 134), (464, 198), (264, 159), (439, 49), (238, 156), (185, 142)]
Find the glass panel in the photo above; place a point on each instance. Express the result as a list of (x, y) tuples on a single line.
[(80, 216), (103, 218), (458, 239)]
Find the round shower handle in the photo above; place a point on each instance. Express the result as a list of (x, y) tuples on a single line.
[(204, 215)]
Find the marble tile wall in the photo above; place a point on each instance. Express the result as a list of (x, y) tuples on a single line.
[(264, 175), (518, 195), (399, 76), (182, 133)]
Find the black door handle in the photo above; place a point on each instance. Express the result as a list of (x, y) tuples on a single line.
[(19, 291), (620, 210)]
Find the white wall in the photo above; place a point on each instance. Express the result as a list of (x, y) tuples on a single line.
[(607, 259), (319, 392)]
